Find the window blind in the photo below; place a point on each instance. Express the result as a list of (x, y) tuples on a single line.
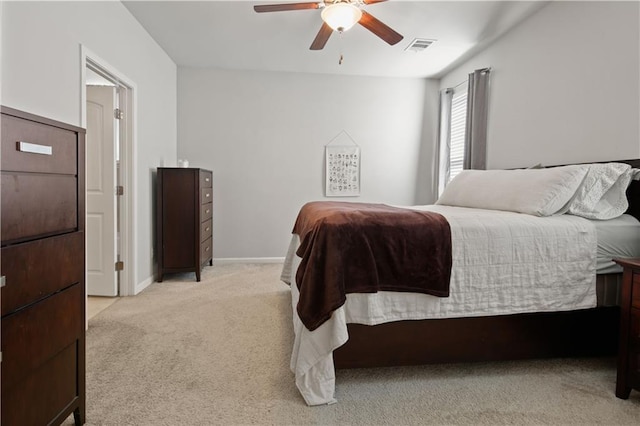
[(458, 128)]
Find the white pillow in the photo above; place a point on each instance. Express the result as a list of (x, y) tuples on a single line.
[(603, 192), (538, 192)]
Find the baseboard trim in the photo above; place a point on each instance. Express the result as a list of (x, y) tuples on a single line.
[(223, 260), (141, 286)]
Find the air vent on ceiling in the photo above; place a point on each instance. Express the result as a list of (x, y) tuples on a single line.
[(419, 44)]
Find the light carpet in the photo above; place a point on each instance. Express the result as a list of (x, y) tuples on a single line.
[(217, 353)]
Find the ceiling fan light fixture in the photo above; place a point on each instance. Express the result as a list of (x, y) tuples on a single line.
[(341, 16)]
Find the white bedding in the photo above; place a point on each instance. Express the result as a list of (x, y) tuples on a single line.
[(617, 238), (502, 264)]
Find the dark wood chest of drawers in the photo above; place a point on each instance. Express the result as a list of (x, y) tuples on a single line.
[(629, 344), (183, 218), (42, 262)]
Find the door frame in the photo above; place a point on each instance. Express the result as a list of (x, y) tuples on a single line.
[(128, 154)]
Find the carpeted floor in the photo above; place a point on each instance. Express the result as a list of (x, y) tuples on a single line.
[(217, 353)]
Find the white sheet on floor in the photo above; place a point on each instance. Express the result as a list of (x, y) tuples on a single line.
[(502, 264)]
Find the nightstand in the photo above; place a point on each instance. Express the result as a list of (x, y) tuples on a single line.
[(629, 345)]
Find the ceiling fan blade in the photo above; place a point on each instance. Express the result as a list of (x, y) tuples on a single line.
[(380, 29), (284, 7), (322, 37), (373, 1)]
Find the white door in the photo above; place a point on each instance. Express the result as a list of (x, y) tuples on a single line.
[(102, 278)]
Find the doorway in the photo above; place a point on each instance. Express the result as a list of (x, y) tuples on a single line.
[(102, 185), (108, 114)]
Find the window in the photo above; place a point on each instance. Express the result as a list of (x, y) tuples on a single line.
[(457, 130), (462, 142), (453, 123)]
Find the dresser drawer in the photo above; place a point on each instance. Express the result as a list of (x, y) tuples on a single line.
[(205, 195), (635, 290), (35, 334), (205, 179), (37, 204), (50, 388), (205, 250), (206, 212), (205, 230), (61, 143), (38, 268)]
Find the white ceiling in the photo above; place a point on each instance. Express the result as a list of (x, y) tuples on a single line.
[(230, 35)]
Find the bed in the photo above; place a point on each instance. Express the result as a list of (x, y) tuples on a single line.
[(565, 310)]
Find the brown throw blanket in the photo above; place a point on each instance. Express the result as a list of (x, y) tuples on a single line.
[(365, 248)]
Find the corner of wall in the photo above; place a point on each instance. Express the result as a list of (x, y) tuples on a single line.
[(142, 285)]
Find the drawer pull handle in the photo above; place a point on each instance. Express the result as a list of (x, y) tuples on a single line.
[(33, 148), (208, 195), (206, 179), (206, 229), (207, 211), (207, 248)]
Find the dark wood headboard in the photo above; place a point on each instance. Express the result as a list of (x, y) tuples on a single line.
[(633, 192)]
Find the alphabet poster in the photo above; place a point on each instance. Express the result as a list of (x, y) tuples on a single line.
[(343, 171)]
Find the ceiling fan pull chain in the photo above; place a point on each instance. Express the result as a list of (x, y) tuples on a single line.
[(341, 46)]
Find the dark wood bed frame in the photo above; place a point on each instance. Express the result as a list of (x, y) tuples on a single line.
[(589, 332)]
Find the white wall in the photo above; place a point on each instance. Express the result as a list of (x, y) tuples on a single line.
[(41, 74), (263, 136), (564, 86)]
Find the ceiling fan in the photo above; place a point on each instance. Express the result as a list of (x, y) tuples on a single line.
[(338, 15)]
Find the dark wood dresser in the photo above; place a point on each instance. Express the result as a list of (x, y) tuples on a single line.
[(629, 343), (183, 218), (43, 263)]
